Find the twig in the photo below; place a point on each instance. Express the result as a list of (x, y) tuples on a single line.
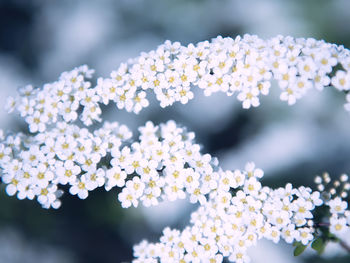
[(322, 224), (341, 242), (344, 245)]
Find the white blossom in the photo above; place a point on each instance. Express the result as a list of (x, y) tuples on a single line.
[(164, 162)]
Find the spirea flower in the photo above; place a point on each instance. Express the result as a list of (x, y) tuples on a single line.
[(164, 162), (244, 66)]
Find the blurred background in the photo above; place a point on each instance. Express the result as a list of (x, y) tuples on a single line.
[(40, 39)]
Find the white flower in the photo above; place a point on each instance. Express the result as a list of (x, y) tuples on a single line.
[(68, 172), (26, 106), (133, 163), (285, 78), (223, 199), (325, 61), (149, 199), (252, 186), (106, 89), (90, 98), (341, 80), (239, 256), (165, 163), (337, 205), (100, 146), (279, 65), (124, 133), (69, 111), (305, 235), (154, 185), (264, 87), (254, 221), (307, 68), (136, 186), (196, 194), (252, 171), (37, 122), (64, 146), (290, 95), (210, 180), (47, 196), (226, 180), (170, 236), (79, 188), (140, 101), (127, 198), (321, 80), (302, 208), (274, 234), (249, 97), (121, 158), (316, 198), (94, 179), (82, 149), (160, 152), (289, 233), (41, 175), (194, 254), (281, 218), (10, 105), (338, 225), (4, 154), (214, 259), (91, 113), (301, 85), (201, 163), (25, 191), (89, 162), (174, 191), (115, 177), (183, 94), (12, 185), (191, 178)]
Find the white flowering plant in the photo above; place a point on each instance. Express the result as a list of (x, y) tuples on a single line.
[(165, 163)]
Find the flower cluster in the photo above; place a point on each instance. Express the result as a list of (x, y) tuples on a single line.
[(245, 66), (58, 101), (235, 219), (165, 163), (33, 166), (334, 193), (340, 217)]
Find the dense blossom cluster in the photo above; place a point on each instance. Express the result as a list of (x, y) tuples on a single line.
[(235, 219), (244, 66), (59, 101), (35, 165), (165, 163)]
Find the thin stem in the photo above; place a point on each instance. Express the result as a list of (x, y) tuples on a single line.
[(341, 242), (322, 224), (344, 245)]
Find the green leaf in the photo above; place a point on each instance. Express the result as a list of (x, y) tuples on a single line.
[(296, 243), (299, 249), (318, 245)]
